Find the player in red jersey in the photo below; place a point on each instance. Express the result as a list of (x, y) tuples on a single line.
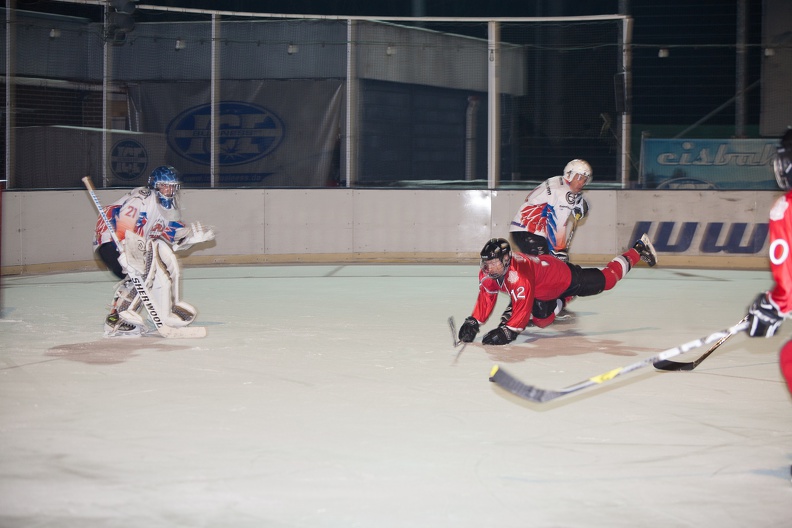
[(536, 284), (770, 308)]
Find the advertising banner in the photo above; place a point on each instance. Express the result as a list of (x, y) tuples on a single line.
[(708, 164), (270, 133)]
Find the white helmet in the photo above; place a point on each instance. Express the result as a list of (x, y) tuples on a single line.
[(578, 167)]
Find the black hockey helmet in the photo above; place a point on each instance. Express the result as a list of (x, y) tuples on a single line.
[(782, 164), (496, 257)]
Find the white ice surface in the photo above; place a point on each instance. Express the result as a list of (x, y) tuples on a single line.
[(329, 396)]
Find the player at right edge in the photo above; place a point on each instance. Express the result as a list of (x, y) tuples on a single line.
[(770, 308)]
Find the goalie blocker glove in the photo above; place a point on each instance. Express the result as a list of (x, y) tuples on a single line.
[(468, 330), (764, 317)]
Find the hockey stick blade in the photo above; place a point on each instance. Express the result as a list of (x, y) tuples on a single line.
[(535, 394), (454, 339), (674, 366), (185, 332)]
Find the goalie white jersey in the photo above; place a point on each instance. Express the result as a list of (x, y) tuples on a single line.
[(139, 211)]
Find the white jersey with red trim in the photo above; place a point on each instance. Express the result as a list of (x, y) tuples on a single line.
[(138, 211), (546, 211), (780, 261)]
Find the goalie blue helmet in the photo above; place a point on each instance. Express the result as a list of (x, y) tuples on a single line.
[(166, 182), (496, 257), (782, 164)]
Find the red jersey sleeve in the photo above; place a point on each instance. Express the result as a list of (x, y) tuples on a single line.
[(487, 297), (780, 262)]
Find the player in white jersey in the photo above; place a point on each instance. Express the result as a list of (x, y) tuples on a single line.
[(770, 308), (539, 227), (147, 221)]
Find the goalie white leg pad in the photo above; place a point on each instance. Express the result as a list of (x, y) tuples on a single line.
[(163, 283), (124, 295), (132, 317), (182, 314)]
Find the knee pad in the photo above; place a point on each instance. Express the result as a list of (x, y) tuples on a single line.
[(544, 309)]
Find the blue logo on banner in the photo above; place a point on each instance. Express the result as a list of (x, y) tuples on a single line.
[(128, 159), (246, 133)]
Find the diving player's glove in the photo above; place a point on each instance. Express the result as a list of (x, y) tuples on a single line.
[(502, 335), (468, 330)]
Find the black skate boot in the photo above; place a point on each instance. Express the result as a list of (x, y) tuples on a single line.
[(116, 327), (646, 250)]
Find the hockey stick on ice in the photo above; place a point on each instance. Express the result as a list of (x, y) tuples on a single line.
[(453, 332), (676, 365), (535, 394), (137, 281), (454, 339)]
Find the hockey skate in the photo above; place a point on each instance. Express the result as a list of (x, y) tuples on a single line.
[(563, 313), (116, 327), (646, 250)]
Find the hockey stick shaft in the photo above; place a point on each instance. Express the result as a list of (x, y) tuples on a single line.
[(137, 281), (677, 365), (535, 394), (571, 232), (452, 325)]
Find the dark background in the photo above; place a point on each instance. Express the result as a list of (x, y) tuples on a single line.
[(700, 34)]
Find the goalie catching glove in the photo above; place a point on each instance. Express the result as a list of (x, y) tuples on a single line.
[(188, 236), (764, 317)]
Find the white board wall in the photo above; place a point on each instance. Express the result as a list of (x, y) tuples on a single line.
[(52, 230)]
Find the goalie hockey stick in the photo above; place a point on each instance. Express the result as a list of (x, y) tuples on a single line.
[(535, 394), (163, 329), (677, 365)]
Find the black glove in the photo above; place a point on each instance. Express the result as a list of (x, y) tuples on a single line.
[(561, 254), (580, 209), (763, 317), (500, 336), (468, 330)]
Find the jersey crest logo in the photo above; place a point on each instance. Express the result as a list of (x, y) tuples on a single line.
[(512, 277), (128, 160), (246, 133)]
